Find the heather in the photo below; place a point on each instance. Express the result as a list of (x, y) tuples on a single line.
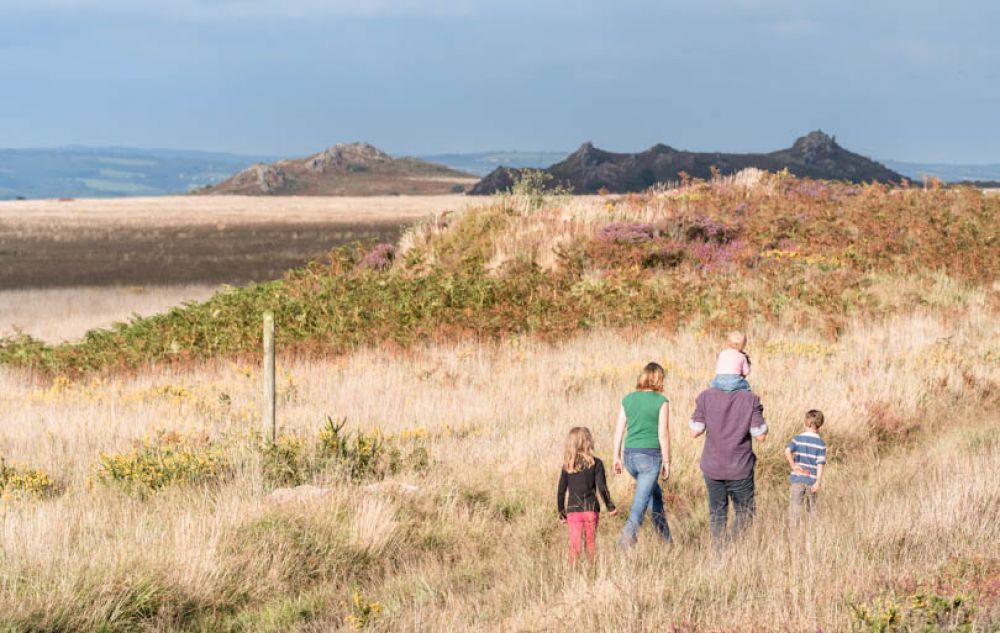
[(761, 248)]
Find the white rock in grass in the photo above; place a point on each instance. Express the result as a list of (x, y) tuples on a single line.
[(298, 494)]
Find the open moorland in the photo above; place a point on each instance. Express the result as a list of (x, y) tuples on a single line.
[(189, 239), (425, 389)]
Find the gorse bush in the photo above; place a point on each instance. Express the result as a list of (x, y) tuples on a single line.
[(711, 253), (164, 460), (364, 612), (919, 613), (18, 481), (357, 455)]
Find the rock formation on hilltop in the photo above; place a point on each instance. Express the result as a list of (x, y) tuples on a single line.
[(346, 169), (589, 169)]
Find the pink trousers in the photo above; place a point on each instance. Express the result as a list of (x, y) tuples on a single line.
[(582, 525)]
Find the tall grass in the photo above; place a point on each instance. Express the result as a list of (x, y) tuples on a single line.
[(472, 543)]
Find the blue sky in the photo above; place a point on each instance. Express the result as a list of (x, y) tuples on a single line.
[(912, 80)]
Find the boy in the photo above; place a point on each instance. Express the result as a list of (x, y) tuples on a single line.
[(806, 455)]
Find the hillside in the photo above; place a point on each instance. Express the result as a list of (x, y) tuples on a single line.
[(482, 163), (590, 169), (774, 246), (355, 169), (90, 172), (947, 172)]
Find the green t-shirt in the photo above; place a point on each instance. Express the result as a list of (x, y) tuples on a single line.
[(642, 412)]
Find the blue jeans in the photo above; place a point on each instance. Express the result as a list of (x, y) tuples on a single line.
[(645, 469), (720, 491), (730, 382)]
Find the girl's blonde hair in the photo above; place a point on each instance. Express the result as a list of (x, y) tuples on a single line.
[(579, 452), (651, 378)]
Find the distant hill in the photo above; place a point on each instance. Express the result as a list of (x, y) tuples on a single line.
[(589, 169), (482, 163), (90, 172), (946, 172), (354, 169)]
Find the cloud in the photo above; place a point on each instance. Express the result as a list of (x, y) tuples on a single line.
[(214, 10)]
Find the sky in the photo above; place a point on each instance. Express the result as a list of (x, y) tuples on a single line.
[(908, 80)]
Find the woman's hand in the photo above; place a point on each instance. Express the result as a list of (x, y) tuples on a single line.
[(617, 468), (665, 471)]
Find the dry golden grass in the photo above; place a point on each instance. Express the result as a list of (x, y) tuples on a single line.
[(66, 314), (477, 546), (210, 210)]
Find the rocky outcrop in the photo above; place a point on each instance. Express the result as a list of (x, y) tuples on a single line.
[(345, 169), (347, 157), (589, 169), (260, 179)]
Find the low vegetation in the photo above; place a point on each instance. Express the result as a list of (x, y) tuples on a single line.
[(19, 481), (431, 439), (773, 246)]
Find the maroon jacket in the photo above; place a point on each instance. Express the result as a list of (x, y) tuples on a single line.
[(730, 420)]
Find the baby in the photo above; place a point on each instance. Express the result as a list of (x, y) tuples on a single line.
[(733, 365)]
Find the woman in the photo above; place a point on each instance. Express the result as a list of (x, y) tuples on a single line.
[(643, 422)]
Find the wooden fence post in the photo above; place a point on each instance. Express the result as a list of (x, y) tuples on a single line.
[(270, 426)]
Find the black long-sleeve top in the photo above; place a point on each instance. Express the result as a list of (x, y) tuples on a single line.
[(581, 488)]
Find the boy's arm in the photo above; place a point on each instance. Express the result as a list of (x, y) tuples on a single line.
[(619, 437), (819, 475), (561, 495), (820, 464), (790, 458), (602, 487), (696, 425)]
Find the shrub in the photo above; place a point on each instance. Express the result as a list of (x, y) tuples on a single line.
[(925, 612), (164, 460), (530, 186), (18, 481), (887, 427), (363, 612), (362, 455), (359, 455), (285, 462), (626, 232), (379, 257)]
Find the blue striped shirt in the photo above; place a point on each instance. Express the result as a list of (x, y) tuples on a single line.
[(808, 451)]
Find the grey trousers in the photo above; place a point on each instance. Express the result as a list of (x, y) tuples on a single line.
[(800, 496)]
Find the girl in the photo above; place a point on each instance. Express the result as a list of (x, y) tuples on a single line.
[(581, 477), (643, 422)]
